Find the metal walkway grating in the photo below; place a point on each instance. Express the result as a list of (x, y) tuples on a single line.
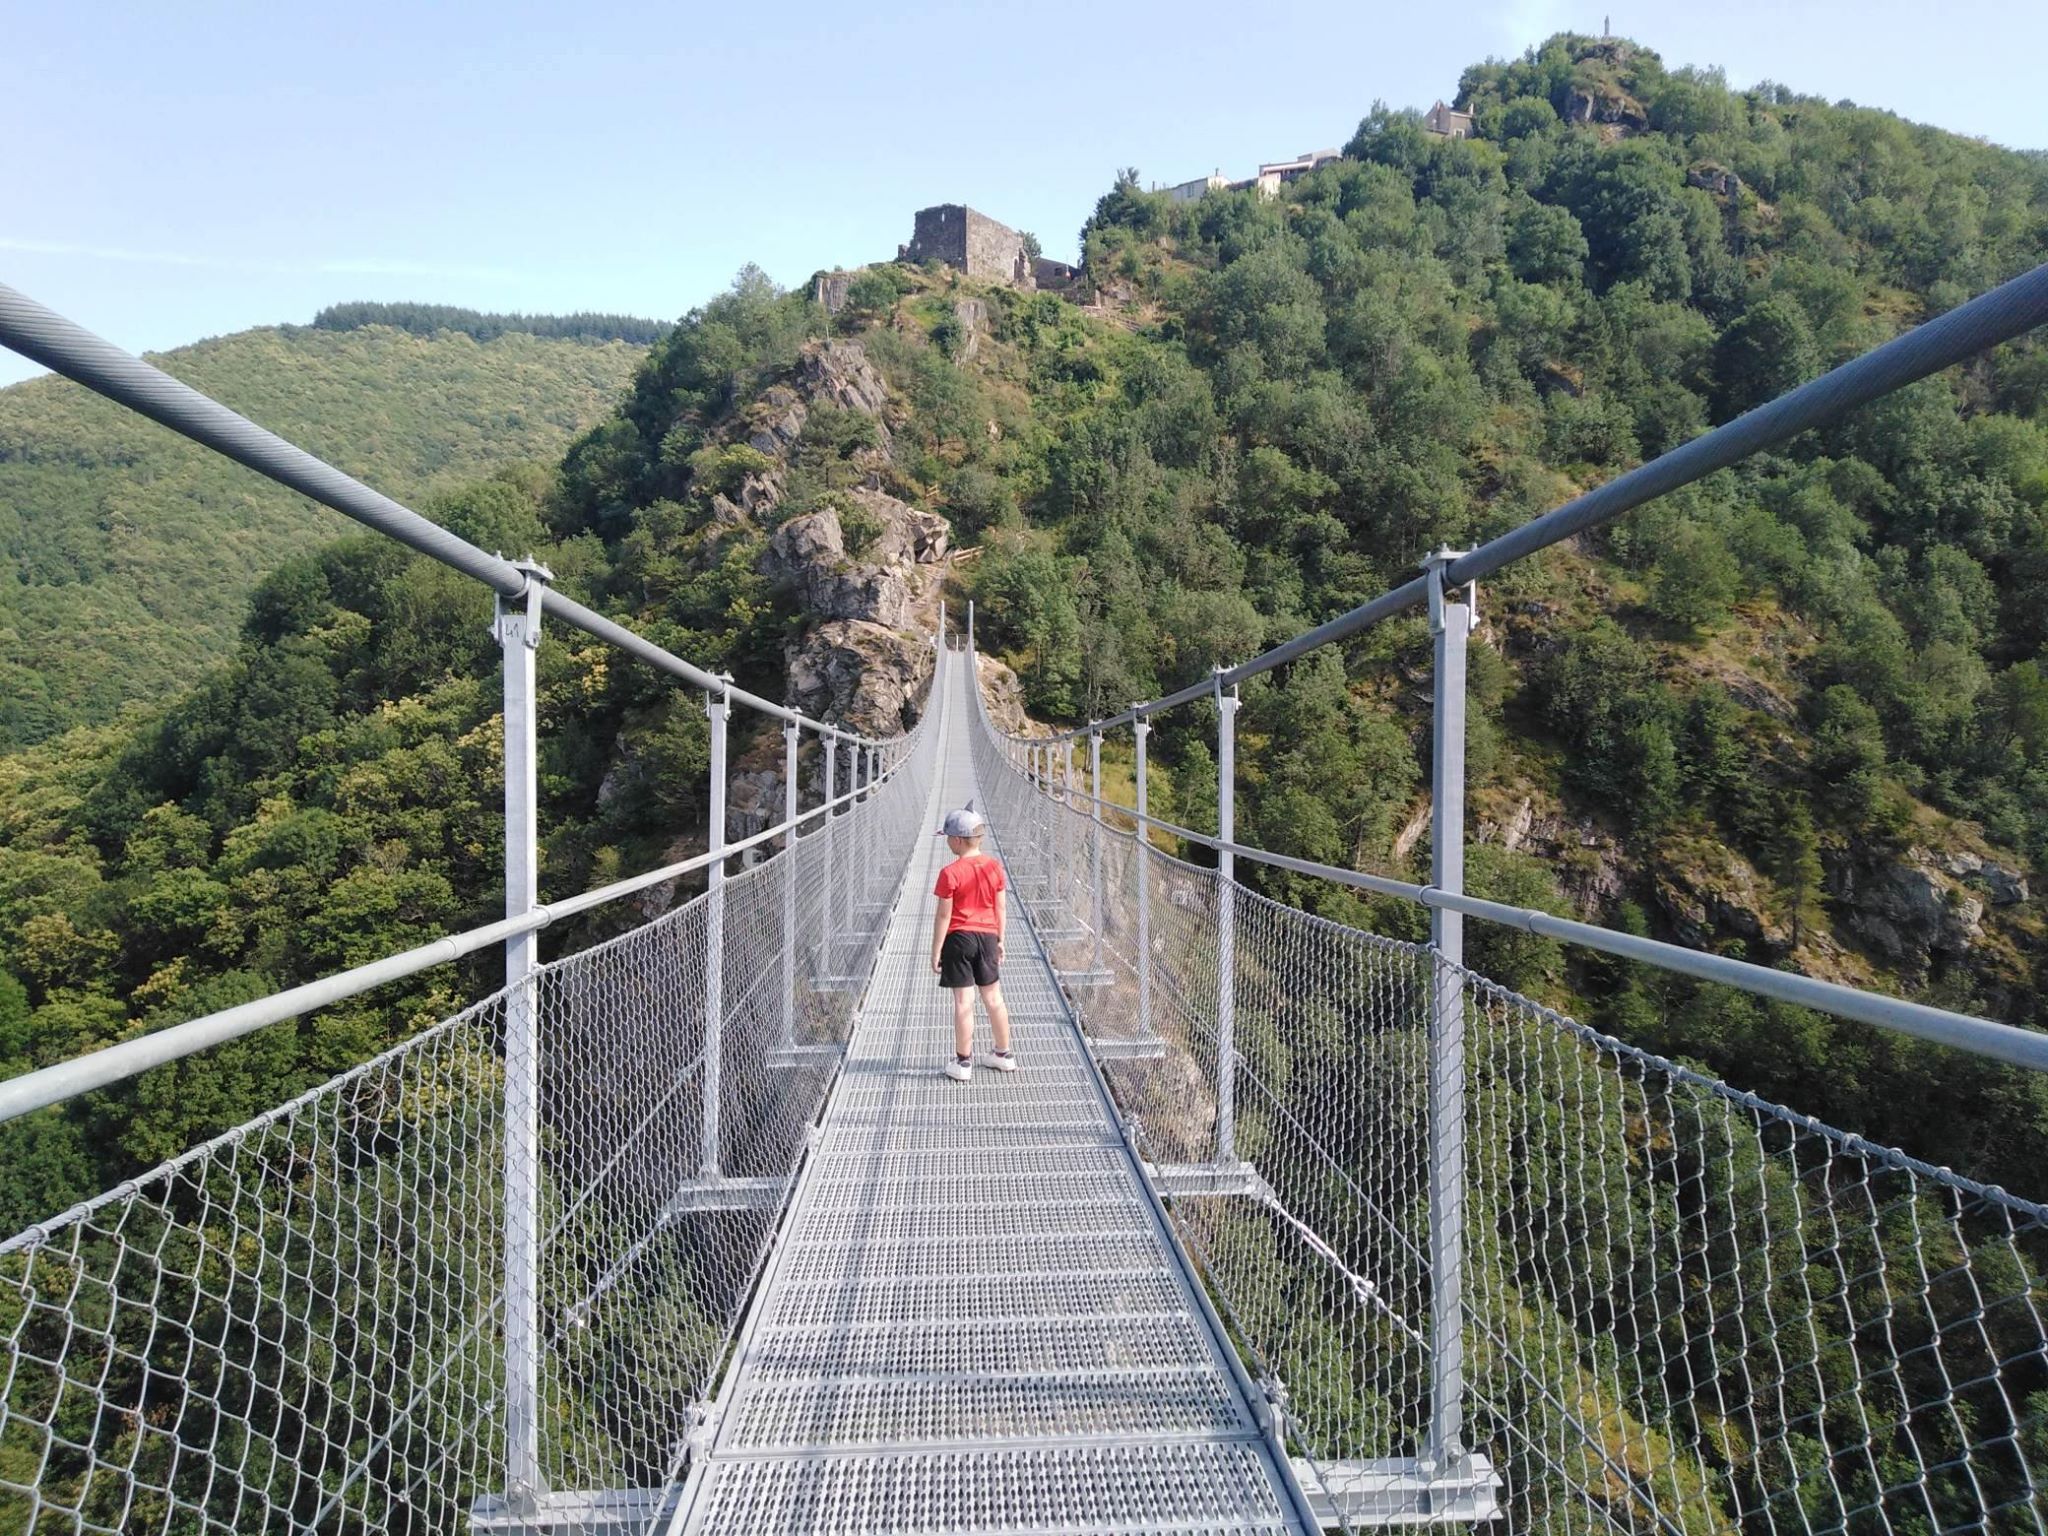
[(974, 1319)]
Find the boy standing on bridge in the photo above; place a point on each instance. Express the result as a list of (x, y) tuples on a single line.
[(967, 940)]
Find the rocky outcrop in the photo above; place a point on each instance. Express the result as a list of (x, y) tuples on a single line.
[(1911, 909), (861, 674), (1753, 692), (753, 800), (1004, 696), (972, 315), (866, 662), (1710, 892), (839, 371), (865, 568), (891, 581), (1587, 860), (780, 419), (2005, 886), (1417, 825)]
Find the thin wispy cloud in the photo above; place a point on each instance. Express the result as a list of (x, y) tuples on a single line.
[(366, 266), (379, 267)]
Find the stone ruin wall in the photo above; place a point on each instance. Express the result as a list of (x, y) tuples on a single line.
[(995, 252), (988, 252)]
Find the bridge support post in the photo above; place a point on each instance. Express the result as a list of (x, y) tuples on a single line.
[(873, 902), (828, 931), (1067, 771), (1226, 923), (792, 795), (857, 868), (1141, 728), (517, 631), (1095, 852), (719, 707), (1452, 618)]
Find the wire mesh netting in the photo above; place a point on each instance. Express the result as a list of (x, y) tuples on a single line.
[(1683, 1309), (1692, 1310), (300, 1326)]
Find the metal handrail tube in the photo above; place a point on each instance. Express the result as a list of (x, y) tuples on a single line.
[(1379, 884), (66, 347), (1983, 1037), (128, 1058), (2009, 310)]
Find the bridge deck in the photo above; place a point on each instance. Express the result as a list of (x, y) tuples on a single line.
[(974, 1319)]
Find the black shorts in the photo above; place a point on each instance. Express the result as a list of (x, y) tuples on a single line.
[(968, 960)]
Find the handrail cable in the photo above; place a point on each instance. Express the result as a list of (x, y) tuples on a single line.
[(1985, 1037), (129, 1058)]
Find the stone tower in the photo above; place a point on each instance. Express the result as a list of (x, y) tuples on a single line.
[(972, 242)]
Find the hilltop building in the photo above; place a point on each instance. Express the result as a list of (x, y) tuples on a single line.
[(1196, 190), (1270, 179), (954, 235), (1050, 276), (1441, 120), (974, 243)]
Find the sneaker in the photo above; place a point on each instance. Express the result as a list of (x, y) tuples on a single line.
[(1002, 1061), (959, 1070)]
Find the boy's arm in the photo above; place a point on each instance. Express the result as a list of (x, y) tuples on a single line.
[(941, 916), (1002, 912)]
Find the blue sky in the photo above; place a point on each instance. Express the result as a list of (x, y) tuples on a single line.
[(173, 172)]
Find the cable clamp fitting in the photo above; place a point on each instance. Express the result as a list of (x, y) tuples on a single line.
[(1434, 568), (537, 578)]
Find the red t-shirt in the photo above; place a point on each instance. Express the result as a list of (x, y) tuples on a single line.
[(975, 884)]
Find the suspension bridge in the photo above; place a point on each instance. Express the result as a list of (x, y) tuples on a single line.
[(1281, 1226)]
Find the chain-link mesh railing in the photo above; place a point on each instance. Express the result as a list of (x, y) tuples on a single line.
[(299, 1326), (1685, 1310)]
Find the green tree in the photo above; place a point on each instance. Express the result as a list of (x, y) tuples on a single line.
[(1695, 578), (1849, 776), (872, 294), (1767, 351), (1545, 243), (1797, 866)]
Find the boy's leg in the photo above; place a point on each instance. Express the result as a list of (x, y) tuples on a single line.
[(963, 1022), (998, 1014)]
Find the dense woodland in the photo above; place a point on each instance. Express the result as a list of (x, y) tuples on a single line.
[(127, 554), (432, 319), (1278, 408), (1814, 663)]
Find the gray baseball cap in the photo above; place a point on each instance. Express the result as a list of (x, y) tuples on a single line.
[(965, 822)]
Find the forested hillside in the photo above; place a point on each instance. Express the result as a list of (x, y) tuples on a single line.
[(427, 319), (130, 552), (1796, 714), (330, 790)]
